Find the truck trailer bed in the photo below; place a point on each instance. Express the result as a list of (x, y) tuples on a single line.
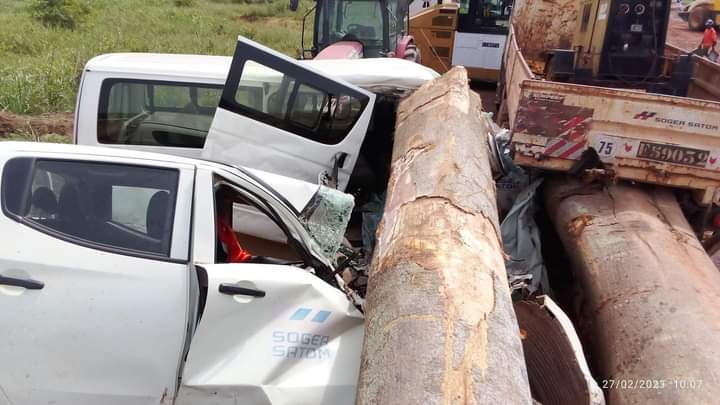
[(646, 137)]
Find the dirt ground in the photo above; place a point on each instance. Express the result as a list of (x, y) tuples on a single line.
[(27, 126), (679, 34)]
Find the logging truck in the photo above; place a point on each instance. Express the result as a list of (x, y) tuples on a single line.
[(606, 81)]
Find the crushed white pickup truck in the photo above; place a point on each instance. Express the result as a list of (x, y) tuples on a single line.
[(125, 296)]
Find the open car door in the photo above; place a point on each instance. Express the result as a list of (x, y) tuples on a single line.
[(283, 117)]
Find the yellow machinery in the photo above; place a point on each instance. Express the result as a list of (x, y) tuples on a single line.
[(615, 41), (471, 34)]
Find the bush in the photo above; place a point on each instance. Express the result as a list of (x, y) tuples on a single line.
[(184, 3), (59, 13)]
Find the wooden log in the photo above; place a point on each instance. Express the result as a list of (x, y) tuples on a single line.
[(651, 295), (440, 328)]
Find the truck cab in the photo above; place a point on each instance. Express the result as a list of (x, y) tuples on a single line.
[(133, 283)]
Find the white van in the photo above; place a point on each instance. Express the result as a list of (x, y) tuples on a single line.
[(259, 109)]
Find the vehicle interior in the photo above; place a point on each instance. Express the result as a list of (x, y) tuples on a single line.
[(253, 231), (142, 112), (485, 16), (117, 206), (370, 176), (357, 20), (296, 106)]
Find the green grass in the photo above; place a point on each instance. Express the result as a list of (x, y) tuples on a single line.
[(41, 66)]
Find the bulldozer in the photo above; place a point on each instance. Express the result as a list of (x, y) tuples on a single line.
[(352, 29), (471, 33), (699, 11)]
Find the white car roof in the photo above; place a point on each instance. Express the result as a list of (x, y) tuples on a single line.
[(370, 73), (296, 192), (60, 148)]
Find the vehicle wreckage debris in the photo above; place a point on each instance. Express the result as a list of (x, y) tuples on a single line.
[(440, 327)]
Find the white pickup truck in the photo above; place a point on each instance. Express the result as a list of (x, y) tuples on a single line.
[(319, 120), (114, 287)]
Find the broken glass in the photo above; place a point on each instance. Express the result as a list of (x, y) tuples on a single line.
[(326, 217)]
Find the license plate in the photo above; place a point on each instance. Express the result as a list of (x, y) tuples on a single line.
[(673, 154), (636, 28)]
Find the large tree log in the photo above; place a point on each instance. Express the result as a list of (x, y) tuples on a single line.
[(651, 294), (440, 328)]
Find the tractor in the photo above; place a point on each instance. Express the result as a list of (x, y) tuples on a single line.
[(353, 29)]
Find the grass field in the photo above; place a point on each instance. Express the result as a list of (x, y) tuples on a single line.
[(41, 66)]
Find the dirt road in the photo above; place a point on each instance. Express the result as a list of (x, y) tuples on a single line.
[(679, 34), (12, 125)]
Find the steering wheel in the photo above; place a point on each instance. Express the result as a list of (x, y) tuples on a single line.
[(354, 28), (130, 125)]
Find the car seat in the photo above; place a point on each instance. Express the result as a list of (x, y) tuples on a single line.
[(44, 201), (157, 218), (69, 212)]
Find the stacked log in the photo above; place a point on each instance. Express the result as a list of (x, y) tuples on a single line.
[(651, 293)]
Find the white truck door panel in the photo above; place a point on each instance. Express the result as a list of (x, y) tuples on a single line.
[(99, 326), (298, 344), (286, 118)]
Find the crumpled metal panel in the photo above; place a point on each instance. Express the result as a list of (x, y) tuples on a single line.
[(300, 344)]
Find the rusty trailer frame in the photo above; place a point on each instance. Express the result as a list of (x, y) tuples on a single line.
[(639, 136)]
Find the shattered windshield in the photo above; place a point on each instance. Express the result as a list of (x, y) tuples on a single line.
[(326, 217)]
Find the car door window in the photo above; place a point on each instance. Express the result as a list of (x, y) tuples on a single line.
[(156, 113), (122, 208), (254, 234), (293, 101)]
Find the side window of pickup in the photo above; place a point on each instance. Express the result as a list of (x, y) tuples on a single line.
[(156, 113), (121, 208), (293, 104), (253, 231)]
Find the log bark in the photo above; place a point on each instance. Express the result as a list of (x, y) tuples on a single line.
[(543, 25), (651, 295), (440, 328)]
